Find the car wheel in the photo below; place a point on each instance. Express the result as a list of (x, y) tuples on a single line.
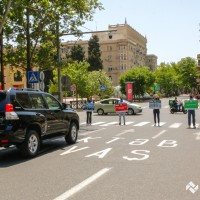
[(100, 112), (172, 112), (130, 111), (71, 137), (31, 145), (185, 111)]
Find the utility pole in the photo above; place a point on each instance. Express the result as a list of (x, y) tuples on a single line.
[(58, 61), (28, 55), (2, 67)]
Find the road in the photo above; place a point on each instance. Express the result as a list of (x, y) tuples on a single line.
[(111, 162)]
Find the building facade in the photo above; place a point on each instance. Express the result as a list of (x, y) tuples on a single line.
[(125, 49)]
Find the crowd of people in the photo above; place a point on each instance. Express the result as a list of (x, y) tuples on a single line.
[(89, 107)]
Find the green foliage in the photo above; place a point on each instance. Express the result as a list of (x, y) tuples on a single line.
[(187, 72), (43, 16), (176, 77), (94, 54), (141, 77), (95, 80), (77, 53)]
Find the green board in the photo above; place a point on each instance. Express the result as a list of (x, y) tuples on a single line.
[(171, 102), (191, 104)]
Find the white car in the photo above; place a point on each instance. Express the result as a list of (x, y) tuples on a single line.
[(106, 106)]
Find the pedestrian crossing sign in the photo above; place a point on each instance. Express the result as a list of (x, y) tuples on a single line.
[(33, 77)]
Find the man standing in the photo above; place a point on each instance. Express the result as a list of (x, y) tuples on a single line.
[(121, 113), (156, 112), (191, 115)]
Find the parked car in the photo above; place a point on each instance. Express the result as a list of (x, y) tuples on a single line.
[(29, 116), (106, 106)]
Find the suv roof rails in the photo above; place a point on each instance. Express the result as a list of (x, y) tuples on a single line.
[(24, 89)]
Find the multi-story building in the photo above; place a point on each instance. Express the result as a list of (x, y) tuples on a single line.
[(124, 50)]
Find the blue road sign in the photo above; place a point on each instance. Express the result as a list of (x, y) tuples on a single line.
[(33, 77), (102, 87)]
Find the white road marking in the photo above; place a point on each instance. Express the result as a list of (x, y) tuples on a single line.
[(90, 132), (128, 123), (197, 136), (97, 123), (159, 134), (126, 131), (110, 123), (81, 185), (175, 125), (141, 124), (161, 123)]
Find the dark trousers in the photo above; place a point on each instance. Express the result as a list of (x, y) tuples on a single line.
[(89, 117), (191, 114), (156, 113)]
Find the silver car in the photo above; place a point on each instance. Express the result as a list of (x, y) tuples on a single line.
[(106, 106)]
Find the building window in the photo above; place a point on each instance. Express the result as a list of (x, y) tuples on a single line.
[(18, 76), (110, 68)]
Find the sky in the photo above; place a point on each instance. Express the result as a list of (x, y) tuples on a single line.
[(172, 27)]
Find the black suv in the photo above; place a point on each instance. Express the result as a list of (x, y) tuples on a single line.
[(29, 116)]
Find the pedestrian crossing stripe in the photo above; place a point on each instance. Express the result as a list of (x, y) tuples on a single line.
[(140, 124)]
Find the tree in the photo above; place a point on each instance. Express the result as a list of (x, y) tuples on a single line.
[(77, 53), (30, 29), (94, 54), (4, 14), (167, 79), (95, 80), (188, 73), (141, 77)]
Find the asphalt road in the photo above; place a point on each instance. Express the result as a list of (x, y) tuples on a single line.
[(111, 162)]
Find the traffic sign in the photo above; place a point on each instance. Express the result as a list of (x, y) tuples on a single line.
[(156, 87), (33, 77), (73, 88), (102, 87)]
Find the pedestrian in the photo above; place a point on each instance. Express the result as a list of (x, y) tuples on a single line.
[(156, 112), (89, 109), (191, 115), (121, 113)]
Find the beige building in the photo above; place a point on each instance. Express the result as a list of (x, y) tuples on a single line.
[(126, 49)]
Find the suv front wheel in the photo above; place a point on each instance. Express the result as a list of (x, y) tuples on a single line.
[(31, 145), (71, 137)]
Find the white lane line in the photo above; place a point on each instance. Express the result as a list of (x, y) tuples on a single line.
[(90, 132), (82, 123), (81, 185), (159, 134), (126, 131), (97, 123), (110, 123), (141, 124), (175, 125)]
